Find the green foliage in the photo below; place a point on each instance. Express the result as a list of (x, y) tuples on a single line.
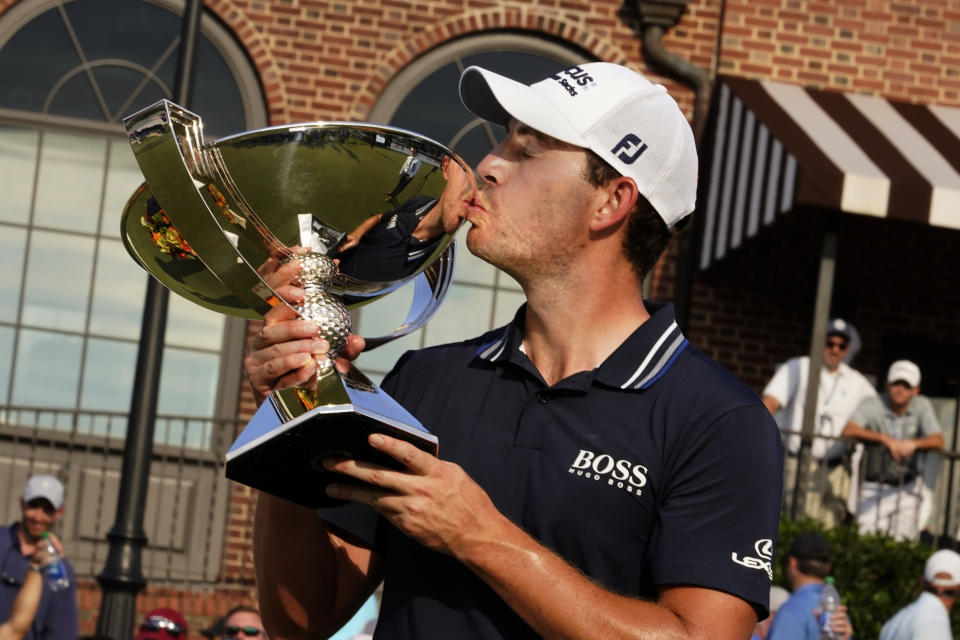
[(875, 574)]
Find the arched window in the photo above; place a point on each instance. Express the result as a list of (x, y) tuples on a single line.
[(70, 317), (424, 98)]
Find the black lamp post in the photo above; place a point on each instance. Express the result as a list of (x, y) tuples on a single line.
[(122, 576)]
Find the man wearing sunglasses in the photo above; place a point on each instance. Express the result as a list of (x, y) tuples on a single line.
[(842, 388), (41, 506), (242, 622), (894, 427), (928, 617)]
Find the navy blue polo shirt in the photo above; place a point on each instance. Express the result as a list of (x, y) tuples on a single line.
[(656, 468)]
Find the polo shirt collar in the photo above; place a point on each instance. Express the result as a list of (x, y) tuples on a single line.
[(636, 364)]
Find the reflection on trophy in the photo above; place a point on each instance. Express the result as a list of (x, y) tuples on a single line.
[(211, 219)]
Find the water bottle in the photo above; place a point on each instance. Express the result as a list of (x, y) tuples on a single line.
[(829, 601), (53, 568)]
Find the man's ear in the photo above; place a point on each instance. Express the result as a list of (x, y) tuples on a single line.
[(619, 197)]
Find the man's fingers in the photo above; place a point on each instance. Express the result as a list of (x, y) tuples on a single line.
[(277, 273), (382, 501), (283, 335), (355, 346), (415, 460)]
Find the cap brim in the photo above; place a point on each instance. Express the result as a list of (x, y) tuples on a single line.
[(30, 497), (497, 98), (944, 582)]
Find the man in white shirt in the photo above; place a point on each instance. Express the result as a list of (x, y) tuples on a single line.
[(842, 388), (928, 617)]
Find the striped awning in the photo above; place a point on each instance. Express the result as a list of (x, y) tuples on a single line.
[(774, 146)]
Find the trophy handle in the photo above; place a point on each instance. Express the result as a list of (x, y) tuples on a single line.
[(172, 138)]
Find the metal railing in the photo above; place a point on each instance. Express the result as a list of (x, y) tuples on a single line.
[(187, 510), (918, 501)]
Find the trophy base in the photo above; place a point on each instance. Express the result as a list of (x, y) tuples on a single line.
[(284, 457)]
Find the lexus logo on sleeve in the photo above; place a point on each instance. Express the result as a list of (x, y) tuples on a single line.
[(764, 550)]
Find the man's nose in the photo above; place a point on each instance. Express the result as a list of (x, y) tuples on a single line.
[(491, 169)]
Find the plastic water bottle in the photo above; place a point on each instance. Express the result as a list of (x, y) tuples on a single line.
[(829, 601), (53, 569)]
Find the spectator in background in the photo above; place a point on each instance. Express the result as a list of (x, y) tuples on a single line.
[(842, 388), (17, 624), (903, 422), (808, 563), (928, 617), (41, 506), (778, 595), (162, 624), (241, 622)]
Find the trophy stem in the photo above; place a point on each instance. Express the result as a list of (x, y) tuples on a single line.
[(322, 307)]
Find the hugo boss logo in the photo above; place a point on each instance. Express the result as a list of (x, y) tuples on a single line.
[(629, 148), (573, 77), (622, 474)]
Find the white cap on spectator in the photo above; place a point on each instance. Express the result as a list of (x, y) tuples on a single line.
[(624, 118), (943, 569), (44, 487), (906, 371)]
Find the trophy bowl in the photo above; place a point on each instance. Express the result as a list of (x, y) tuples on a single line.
[(360, 205)]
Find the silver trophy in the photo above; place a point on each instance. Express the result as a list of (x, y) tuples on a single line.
[(212, 221)]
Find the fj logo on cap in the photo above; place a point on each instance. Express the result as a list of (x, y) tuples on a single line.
[(574, 76), (629, 148)]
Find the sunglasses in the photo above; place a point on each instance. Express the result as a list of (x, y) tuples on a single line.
[(157, 623), (232, 631), (837, 344)]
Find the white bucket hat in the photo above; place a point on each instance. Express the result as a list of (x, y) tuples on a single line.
[(624, 118)]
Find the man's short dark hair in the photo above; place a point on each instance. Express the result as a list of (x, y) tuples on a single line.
[(647, 234), (811, 567), (812, 553), (240, 607)]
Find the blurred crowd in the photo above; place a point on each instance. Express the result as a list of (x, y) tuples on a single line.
[(868, 456)]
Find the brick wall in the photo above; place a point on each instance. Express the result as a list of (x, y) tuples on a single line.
[(906, 50), (321, 59)]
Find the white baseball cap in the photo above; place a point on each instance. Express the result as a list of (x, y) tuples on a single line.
[(624, 118), (946, 563), (906, 371), (42, 486)]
